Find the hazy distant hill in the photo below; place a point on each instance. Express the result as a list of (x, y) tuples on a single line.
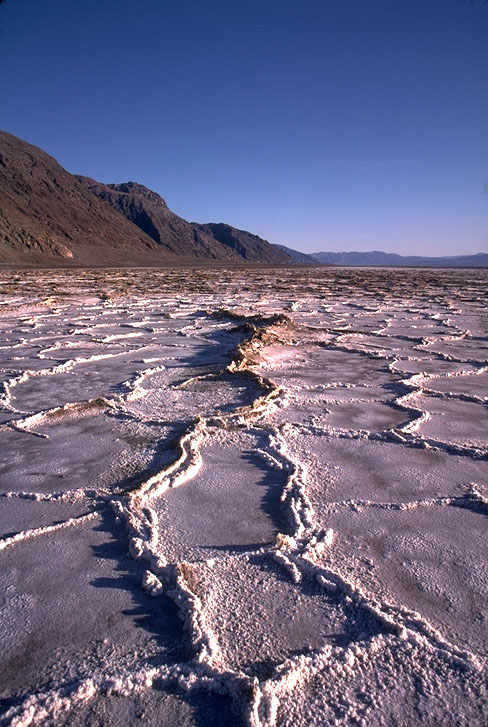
[(300, 257), (51, 217), (384, 258)]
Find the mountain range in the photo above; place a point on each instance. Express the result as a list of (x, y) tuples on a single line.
[(49, 217), (378, 258)]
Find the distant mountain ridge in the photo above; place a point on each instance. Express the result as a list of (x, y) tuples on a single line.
[(51, 217), (376, 257), (297, 255)]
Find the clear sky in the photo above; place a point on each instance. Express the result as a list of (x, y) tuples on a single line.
[(318, 124)]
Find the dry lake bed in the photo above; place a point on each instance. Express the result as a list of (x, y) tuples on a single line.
[(244, 497)]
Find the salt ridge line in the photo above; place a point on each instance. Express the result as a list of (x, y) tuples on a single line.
[(134, 384), (328, 538), (420, 383), (185, 467), (205, 644), (80, 407), (405, 433), (50, 705), (66, 367), (73, 344), (24, 535), (34, 342), (70, 496), (410, 424), (295, 555), (469, 398), (442, 356), (142, 520), (417, 385), (419, 416), (403, 625), (242, 358), (396, 436), (396, 619), (47, 706), (189, 461), (421, 342), (473, 499), (68, 410)]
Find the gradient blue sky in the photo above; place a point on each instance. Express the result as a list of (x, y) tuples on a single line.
[(321, 125)]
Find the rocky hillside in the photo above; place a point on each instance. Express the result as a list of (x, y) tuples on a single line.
[(51, 217)]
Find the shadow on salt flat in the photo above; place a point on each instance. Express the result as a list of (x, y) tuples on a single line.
[(233, 504), (81, 603), (164, 707), (157, 618)]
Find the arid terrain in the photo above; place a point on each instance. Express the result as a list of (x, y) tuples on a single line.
[(244, 497), (51, 218)]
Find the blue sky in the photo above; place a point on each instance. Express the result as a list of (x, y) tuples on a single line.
[(321, 125)]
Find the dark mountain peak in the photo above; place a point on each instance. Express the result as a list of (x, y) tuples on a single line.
[(245, 244), (51, 217), (217, 241), (138, 190)]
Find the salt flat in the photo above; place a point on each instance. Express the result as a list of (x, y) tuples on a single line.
[(244, 497)]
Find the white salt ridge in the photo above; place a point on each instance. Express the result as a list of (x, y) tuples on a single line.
[(71, 496), (136, 389), (66, 367), (35, 532), (285, 699), (399, 436), (472, 499), (69, 410), (423, 383), (119, 337)]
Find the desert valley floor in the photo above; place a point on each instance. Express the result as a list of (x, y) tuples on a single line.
[(250, 497)]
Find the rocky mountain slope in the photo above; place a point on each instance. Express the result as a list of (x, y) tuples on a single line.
[(51, 217)]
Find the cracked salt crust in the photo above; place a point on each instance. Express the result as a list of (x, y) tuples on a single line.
[(276, 478)]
